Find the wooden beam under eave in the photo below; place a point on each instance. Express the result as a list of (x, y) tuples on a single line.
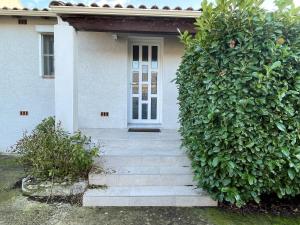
[(131, 24)]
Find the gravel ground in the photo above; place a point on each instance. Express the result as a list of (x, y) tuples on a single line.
[(16, 209)]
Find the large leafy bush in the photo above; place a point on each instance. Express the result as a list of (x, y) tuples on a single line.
[(50, 152), (239, 97)]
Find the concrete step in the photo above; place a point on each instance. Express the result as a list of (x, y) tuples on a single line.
[(139, 144), (123, 134), (180, 196), (141, 180), (141, 151), (138, 160), (148, 170)]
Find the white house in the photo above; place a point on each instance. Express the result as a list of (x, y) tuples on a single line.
[(103, 70), (113, 67)]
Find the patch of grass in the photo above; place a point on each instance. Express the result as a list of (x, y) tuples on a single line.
[(10, 173), (222, 217)]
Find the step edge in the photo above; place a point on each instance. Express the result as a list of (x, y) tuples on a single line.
[(143, 174)]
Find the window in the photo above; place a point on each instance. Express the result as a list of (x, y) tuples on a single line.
[(47, 55)]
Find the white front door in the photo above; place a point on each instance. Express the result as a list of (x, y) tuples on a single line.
[(144, 83)]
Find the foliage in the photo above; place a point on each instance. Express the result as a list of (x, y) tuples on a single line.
[(50, 152), (239, 99)]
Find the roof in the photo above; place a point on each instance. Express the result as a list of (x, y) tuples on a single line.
[(130, 6), (14, 8), (60, 7), (6, 11)]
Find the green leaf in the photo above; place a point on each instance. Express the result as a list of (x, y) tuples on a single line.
[(275, 65), (280, 126), (285, 151), (251, 180), (291, 173), (215, 161), (231, 164), (298, 156), (226, 182)]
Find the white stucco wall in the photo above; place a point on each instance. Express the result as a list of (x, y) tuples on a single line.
[(173, 51), (66, 91), (103, 80), (21, 87)]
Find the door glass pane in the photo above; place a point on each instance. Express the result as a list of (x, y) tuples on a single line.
[(144, 111), (135, 108), (154, 83), (145, 73), (145, 53), (153, 108), (145, 92), (135, 57), (154, 57), (135, 82)]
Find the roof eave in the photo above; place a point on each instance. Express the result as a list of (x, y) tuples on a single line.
[(124, 12), (29, 13)]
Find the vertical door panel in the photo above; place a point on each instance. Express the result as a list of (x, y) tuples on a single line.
[(144, 83)]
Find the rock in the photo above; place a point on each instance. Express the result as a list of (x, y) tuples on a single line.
[(79, 187), (33, 188)]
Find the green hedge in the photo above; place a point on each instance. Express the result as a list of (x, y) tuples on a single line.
[(239, 98)]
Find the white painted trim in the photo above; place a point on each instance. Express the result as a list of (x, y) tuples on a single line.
[(40, 55), (44, 28), (40, 48), (54, 11), (159, 41), (125, 11), (10, 12)]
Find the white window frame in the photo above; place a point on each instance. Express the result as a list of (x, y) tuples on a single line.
[(44, 30)]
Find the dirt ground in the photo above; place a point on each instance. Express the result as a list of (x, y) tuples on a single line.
[(16, 209)]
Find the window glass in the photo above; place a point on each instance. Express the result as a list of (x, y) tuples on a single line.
[(135, 82), (48, 54), (144, 111), (145, 73), (153, 108), (135, 56), (154, 83), (48, 44), (145, 53), (145, 92), (154, 57), (135, 108)]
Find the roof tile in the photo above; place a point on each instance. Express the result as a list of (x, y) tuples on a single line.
[(94, 5), (155, 7), (178, 8), (118, 6)]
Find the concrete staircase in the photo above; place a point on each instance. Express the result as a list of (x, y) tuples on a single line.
[(143, 169)]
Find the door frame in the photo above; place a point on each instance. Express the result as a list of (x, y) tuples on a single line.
[(159, 41)]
